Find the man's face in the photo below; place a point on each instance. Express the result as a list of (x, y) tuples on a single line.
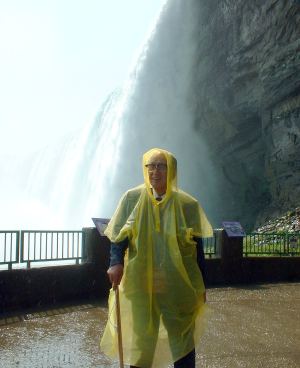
[(157, 171)]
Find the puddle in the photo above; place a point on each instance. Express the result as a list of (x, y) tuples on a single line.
[(249, 327)]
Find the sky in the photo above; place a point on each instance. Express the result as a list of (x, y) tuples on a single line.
[(58, 61)]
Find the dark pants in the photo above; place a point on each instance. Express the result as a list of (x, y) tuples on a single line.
[(146, 341), (187, 361)]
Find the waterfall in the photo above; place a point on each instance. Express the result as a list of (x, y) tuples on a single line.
[(85, 175)]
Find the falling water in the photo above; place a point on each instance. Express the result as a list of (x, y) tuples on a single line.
[(83, 177)]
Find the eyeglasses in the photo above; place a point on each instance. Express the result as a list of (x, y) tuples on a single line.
[(159, 167)]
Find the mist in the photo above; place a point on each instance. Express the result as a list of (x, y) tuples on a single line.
[(83, 176)]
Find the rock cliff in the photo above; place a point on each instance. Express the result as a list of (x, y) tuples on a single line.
[(248, 104)]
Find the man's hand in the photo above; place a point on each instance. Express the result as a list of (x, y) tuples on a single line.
[(115, 274)]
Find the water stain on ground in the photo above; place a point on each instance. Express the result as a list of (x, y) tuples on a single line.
[(255, 326)]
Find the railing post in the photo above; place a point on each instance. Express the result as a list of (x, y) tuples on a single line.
[(22, 247), (285, 244), (97, 247), (83, 248), (18, 247), (231, 252), (218, 235), (22, 250)]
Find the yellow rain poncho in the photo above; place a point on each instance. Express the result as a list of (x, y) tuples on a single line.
[(162, 290)]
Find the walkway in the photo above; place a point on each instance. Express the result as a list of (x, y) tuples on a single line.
[(251, 327)]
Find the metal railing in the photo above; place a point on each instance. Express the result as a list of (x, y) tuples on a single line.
[(26, 246), (210, 246), (9, 248), (21, 248), (44, 246), (272, 244)]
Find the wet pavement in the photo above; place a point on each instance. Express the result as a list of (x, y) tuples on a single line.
[(255, 326)]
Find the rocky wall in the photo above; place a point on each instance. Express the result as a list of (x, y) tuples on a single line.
[(247, 104)]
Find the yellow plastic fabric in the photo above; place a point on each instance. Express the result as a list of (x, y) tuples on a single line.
[(161, 293)]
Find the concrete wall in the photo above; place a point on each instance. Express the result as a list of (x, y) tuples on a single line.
[(232, 268), (50, 286)]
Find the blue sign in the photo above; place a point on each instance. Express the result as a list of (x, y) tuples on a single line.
[(101, 224), (233, 228)]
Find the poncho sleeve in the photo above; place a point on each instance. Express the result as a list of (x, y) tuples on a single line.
[(195, 217), (119, 227)]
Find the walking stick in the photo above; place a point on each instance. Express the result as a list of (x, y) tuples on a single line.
[(119, 330)]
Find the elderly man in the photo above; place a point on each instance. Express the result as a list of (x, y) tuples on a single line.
[(158, 229)]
